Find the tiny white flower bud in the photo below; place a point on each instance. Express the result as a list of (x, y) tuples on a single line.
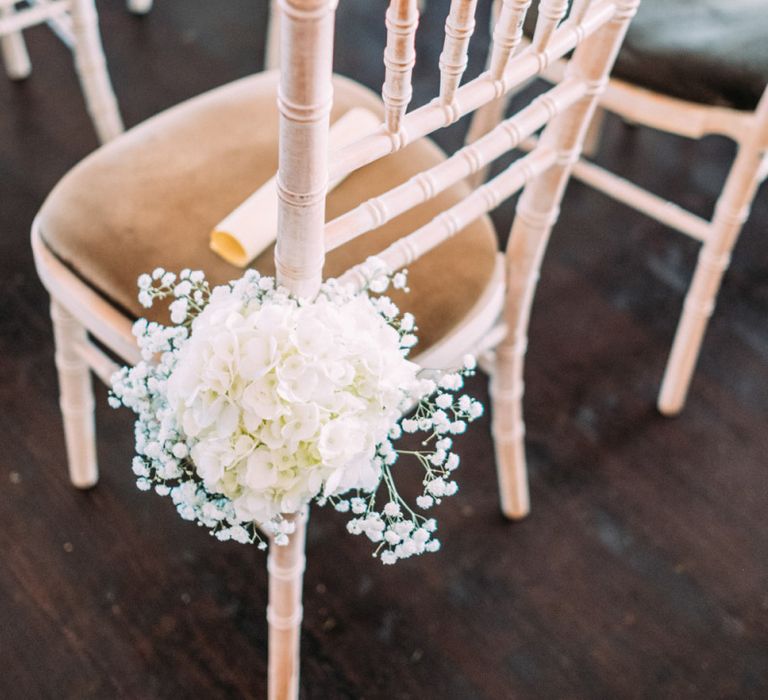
[(425, 502), (392, 509), (388, 557)]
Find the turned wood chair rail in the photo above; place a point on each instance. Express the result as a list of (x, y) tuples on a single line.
[(497, 320)]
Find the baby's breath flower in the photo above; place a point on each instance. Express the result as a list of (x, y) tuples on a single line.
[(388, 557), (144, 281), (392, 509), (358, 505), (392, 537), (342, 506), (425, 502)]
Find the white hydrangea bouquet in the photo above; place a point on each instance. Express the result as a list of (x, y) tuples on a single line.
[(254, 404)]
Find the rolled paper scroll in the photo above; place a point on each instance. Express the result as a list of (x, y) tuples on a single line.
[(251, 228)]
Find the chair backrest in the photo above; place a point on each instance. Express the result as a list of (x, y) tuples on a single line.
[(593, 31)]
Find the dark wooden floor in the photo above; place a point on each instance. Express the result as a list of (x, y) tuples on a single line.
[(642, 572)]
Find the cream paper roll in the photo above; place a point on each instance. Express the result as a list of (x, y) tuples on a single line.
[(251, 228)]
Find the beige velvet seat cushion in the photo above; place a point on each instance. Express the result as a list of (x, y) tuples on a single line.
[(151, 197)]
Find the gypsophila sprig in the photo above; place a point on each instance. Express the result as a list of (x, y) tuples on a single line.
[(253, 404)]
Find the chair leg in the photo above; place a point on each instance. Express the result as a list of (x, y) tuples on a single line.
[(284, 612), (139, 7), (594, 132), (525, 251), (731, 212), (14, 50), (76, 398), (91, 69), (508, 429)]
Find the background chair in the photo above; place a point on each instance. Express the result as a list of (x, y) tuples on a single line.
[(692, 68), (76, 23), (180, 172)]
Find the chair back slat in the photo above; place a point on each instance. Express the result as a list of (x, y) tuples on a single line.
[(459, 27), (402, 18)]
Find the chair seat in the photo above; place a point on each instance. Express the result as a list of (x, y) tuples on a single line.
[(712, 52), (151, 197)]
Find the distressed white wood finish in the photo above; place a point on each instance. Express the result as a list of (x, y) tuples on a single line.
[(304, 101), (76, 22), (537, 211), (731, 211), (92, 71), (453, 60), (76, 397), (285, 566), (402, 18)]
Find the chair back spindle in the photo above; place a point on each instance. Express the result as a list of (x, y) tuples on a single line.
[(551, 13), (402, 18), (507, 34), (453, 60)]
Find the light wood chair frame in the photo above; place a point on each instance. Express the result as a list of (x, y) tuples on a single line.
[(76, 23), (497, 324)]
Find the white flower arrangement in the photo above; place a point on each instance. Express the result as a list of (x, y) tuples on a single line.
[(255, 403)]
